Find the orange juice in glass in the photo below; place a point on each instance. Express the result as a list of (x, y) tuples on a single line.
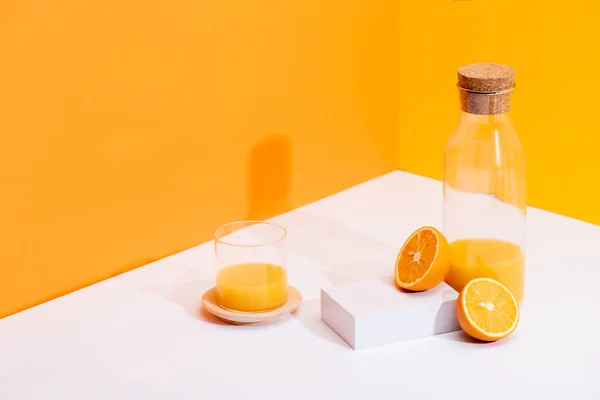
[(251, 266)]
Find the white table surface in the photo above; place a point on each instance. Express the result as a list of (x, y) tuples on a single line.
[(143, 335)]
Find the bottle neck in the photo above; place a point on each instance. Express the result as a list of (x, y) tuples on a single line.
[(485, 103), (484, 119)]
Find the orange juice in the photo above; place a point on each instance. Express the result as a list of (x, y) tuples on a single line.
[(252, 287), (489, 258)]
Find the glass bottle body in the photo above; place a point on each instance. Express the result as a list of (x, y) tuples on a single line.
[(485, 202)]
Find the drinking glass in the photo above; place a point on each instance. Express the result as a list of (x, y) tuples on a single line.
[(251, 266)]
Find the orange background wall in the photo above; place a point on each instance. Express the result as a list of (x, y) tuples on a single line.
[(554, 46), (130, 130)]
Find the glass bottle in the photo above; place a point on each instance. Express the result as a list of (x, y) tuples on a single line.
[(484, 183)]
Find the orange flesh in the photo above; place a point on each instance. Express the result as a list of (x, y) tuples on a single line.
[(490, 307), (417, 256)]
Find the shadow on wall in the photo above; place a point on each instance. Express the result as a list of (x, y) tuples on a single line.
[(269, 175), (269, 171)]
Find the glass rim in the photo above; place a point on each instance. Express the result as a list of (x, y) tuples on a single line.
[(250, 222)]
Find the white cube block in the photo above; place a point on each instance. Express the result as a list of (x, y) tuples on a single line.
[(375, 312)]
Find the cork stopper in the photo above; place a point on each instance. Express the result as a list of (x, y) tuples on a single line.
[(485, 88)]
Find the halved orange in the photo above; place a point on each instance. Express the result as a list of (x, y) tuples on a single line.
[(487, 310), (423, 261)]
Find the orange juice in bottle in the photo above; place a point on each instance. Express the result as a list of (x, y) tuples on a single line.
[(484, 183)]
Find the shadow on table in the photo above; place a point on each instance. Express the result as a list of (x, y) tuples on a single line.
[(459, 336), (189, 296), (462, 337), (309, 314), (344, 254)]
